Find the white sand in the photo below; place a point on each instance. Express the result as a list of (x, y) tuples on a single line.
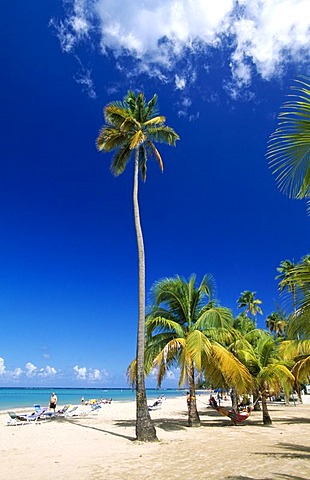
[(101, 446)]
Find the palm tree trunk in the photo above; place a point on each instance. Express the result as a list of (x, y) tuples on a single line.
[(234, 399), (266, 416), (255, 400), (193, 416), (145, 430)]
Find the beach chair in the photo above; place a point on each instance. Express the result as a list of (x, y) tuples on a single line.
[(16, 419), (78, 411), (19, 419)]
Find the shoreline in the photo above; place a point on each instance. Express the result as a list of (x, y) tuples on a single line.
[(101, 446)]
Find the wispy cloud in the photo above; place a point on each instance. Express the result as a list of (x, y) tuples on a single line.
[(166, 38)]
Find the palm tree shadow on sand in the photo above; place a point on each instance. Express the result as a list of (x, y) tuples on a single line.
[(280, 476), (291, 450)]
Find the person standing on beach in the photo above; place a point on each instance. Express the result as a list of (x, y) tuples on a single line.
[(53, 401)]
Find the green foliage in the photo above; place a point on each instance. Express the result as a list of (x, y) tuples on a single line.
[(289, 146), (261, 355), (184, 328), (134, 124), (251, 304)]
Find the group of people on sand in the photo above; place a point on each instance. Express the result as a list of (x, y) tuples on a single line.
[(95, 401)]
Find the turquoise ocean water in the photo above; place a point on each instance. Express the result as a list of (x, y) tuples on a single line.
[(11, 398)]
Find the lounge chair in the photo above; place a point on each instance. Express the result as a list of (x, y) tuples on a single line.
[(19, 419), (78, 411)]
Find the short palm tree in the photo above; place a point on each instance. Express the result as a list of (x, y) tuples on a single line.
[(133, 126), (185, 329), (298, 351), (251, 304), (276, 323), (289, 146), (286, 281), (299, 326), (260, 353)]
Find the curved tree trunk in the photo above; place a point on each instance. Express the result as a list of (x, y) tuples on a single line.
[(145, 430), (266, 416), (193, 416)]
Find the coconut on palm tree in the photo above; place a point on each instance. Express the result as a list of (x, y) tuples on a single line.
[(185, 329), (132, 126)]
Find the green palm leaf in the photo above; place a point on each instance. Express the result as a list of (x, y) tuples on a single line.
[(289, 146)]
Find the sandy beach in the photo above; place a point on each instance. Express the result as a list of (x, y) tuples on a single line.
[(102, 446)]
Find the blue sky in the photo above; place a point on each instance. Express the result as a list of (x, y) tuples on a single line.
[(68, 277)]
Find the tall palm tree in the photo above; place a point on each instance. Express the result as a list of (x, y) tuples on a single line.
[(289, 146), (133, 126), (185, 329), (260, 353), (251, 304)]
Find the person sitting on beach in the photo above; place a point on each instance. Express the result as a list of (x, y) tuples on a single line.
[(213, 402), (53, 401)]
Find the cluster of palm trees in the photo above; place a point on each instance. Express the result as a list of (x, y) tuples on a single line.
[(186, 327)]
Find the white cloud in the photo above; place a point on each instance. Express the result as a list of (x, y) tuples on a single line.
[(86, 81), (17, 372), (2, 366), (80, 372), (95, 375), (261, 36), (47, 372), (180, 82), (92, 374), (30, 369)]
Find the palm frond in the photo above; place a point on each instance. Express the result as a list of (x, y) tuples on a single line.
[(110, 138), (198, 346), (234, 372), (115, 114), (274, 376), (153, 151), (120, 160), (301, 370), (214, 317), (162, 324), (159, 120), (289, 146), (163, 134)]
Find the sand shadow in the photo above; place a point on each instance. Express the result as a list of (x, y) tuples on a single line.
[(291, 421), (98, 429), (279, 476), (292, 450)]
